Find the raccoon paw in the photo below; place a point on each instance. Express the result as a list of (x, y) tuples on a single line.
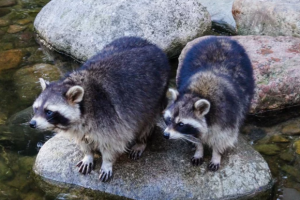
[(213, 167), (197, 161), (137, 151), (105, 175), (85, 165)]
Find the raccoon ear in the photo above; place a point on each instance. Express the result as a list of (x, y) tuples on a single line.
[(75, 94), (43, 83), (202, 106), (173, 94)]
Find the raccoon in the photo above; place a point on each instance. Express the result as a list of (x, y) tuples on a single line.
[(113, 99), (215, 86)]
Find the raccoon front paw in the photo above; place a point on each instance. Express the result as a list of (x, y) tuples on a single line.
[(105, 174), (85, 165), (137, 151), (213, 167), (197, 161)]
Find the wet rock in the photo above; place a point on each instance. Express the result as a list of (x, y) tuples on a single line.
[(291, 129), (27, 83), (3, 118), (221, 13), (4, 3), (267, 17), (292, 171), (267, 149), (169, 24), (4, 22), (23, 21), (290, 194), (16, 28), (21, 117), (10, 59), (5, 172), (296, 145), (255, 134), (287, 156), (164, 171), (6, 46), (4, 11), (275, 61), (38, 56), (278, 139)]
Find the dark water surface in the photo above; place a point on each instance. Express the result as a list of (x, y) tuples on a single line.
[(21, 61)]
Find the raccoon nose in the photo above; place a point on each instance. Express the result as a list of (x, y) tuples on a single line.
[(166, 135), (32, 124)]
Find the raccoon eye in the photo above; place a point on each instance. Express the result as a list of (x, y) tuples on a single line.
[(48, 113), (180, 124)]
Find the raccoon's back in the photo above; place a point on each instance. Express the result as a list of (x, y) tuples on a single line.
[(221, 56), (128, 84)]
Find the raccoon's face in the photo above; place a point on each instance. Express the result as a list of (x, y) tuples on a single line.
[(185, 117), (57, 108)]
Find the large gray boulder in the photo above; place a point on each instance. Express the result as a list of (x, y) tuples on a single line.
[(82, 28), (267, 17), (163, 172), (275, 61), (221, 13)]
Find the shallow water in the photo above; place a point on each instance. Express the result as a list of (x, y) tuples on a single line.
[(19, 144)]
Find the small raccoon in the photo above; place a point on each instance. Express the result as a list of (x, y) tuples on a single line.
[(215, 86), (114, 99)]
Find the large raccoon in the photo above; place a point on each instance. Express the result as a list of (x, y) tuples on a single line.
[(112, 100), (215, 86)]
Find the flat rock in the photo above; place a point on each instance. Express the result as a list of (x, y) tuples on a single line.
[(11, 58), (267, 17), (291, 129), (163, 172), (16, 28), (82, 32), (275, 61)]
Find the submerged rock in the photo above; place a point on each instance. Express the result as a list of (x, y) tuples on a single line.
[(163, 172), (267, 149), (27, 83), (16, 28), (287, 156), (4, 3), (278, 139), (11, 58), (267, 17), (275, 61), (291, 129), (296, 145), (82, 32)]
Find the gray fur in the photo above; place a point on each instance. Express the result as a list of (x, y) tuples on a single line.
[(215, 87), (123, 90)]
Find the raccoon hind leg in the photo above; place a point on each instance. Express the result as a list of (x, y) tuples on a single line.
[(214, 164), (141, 142)]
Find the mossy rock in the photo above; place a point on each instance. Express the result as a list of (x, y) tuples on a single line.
[(291, 129), (296, 145), (286, 156), (267, 149), (278, 139), (292, 171), (27, 80)]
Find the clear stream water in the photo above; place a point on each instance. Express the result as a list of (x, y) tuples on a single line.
[(19, 144)]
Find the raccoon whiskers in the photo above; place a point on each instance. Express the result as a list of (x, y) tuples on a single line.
[(192, 139)]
